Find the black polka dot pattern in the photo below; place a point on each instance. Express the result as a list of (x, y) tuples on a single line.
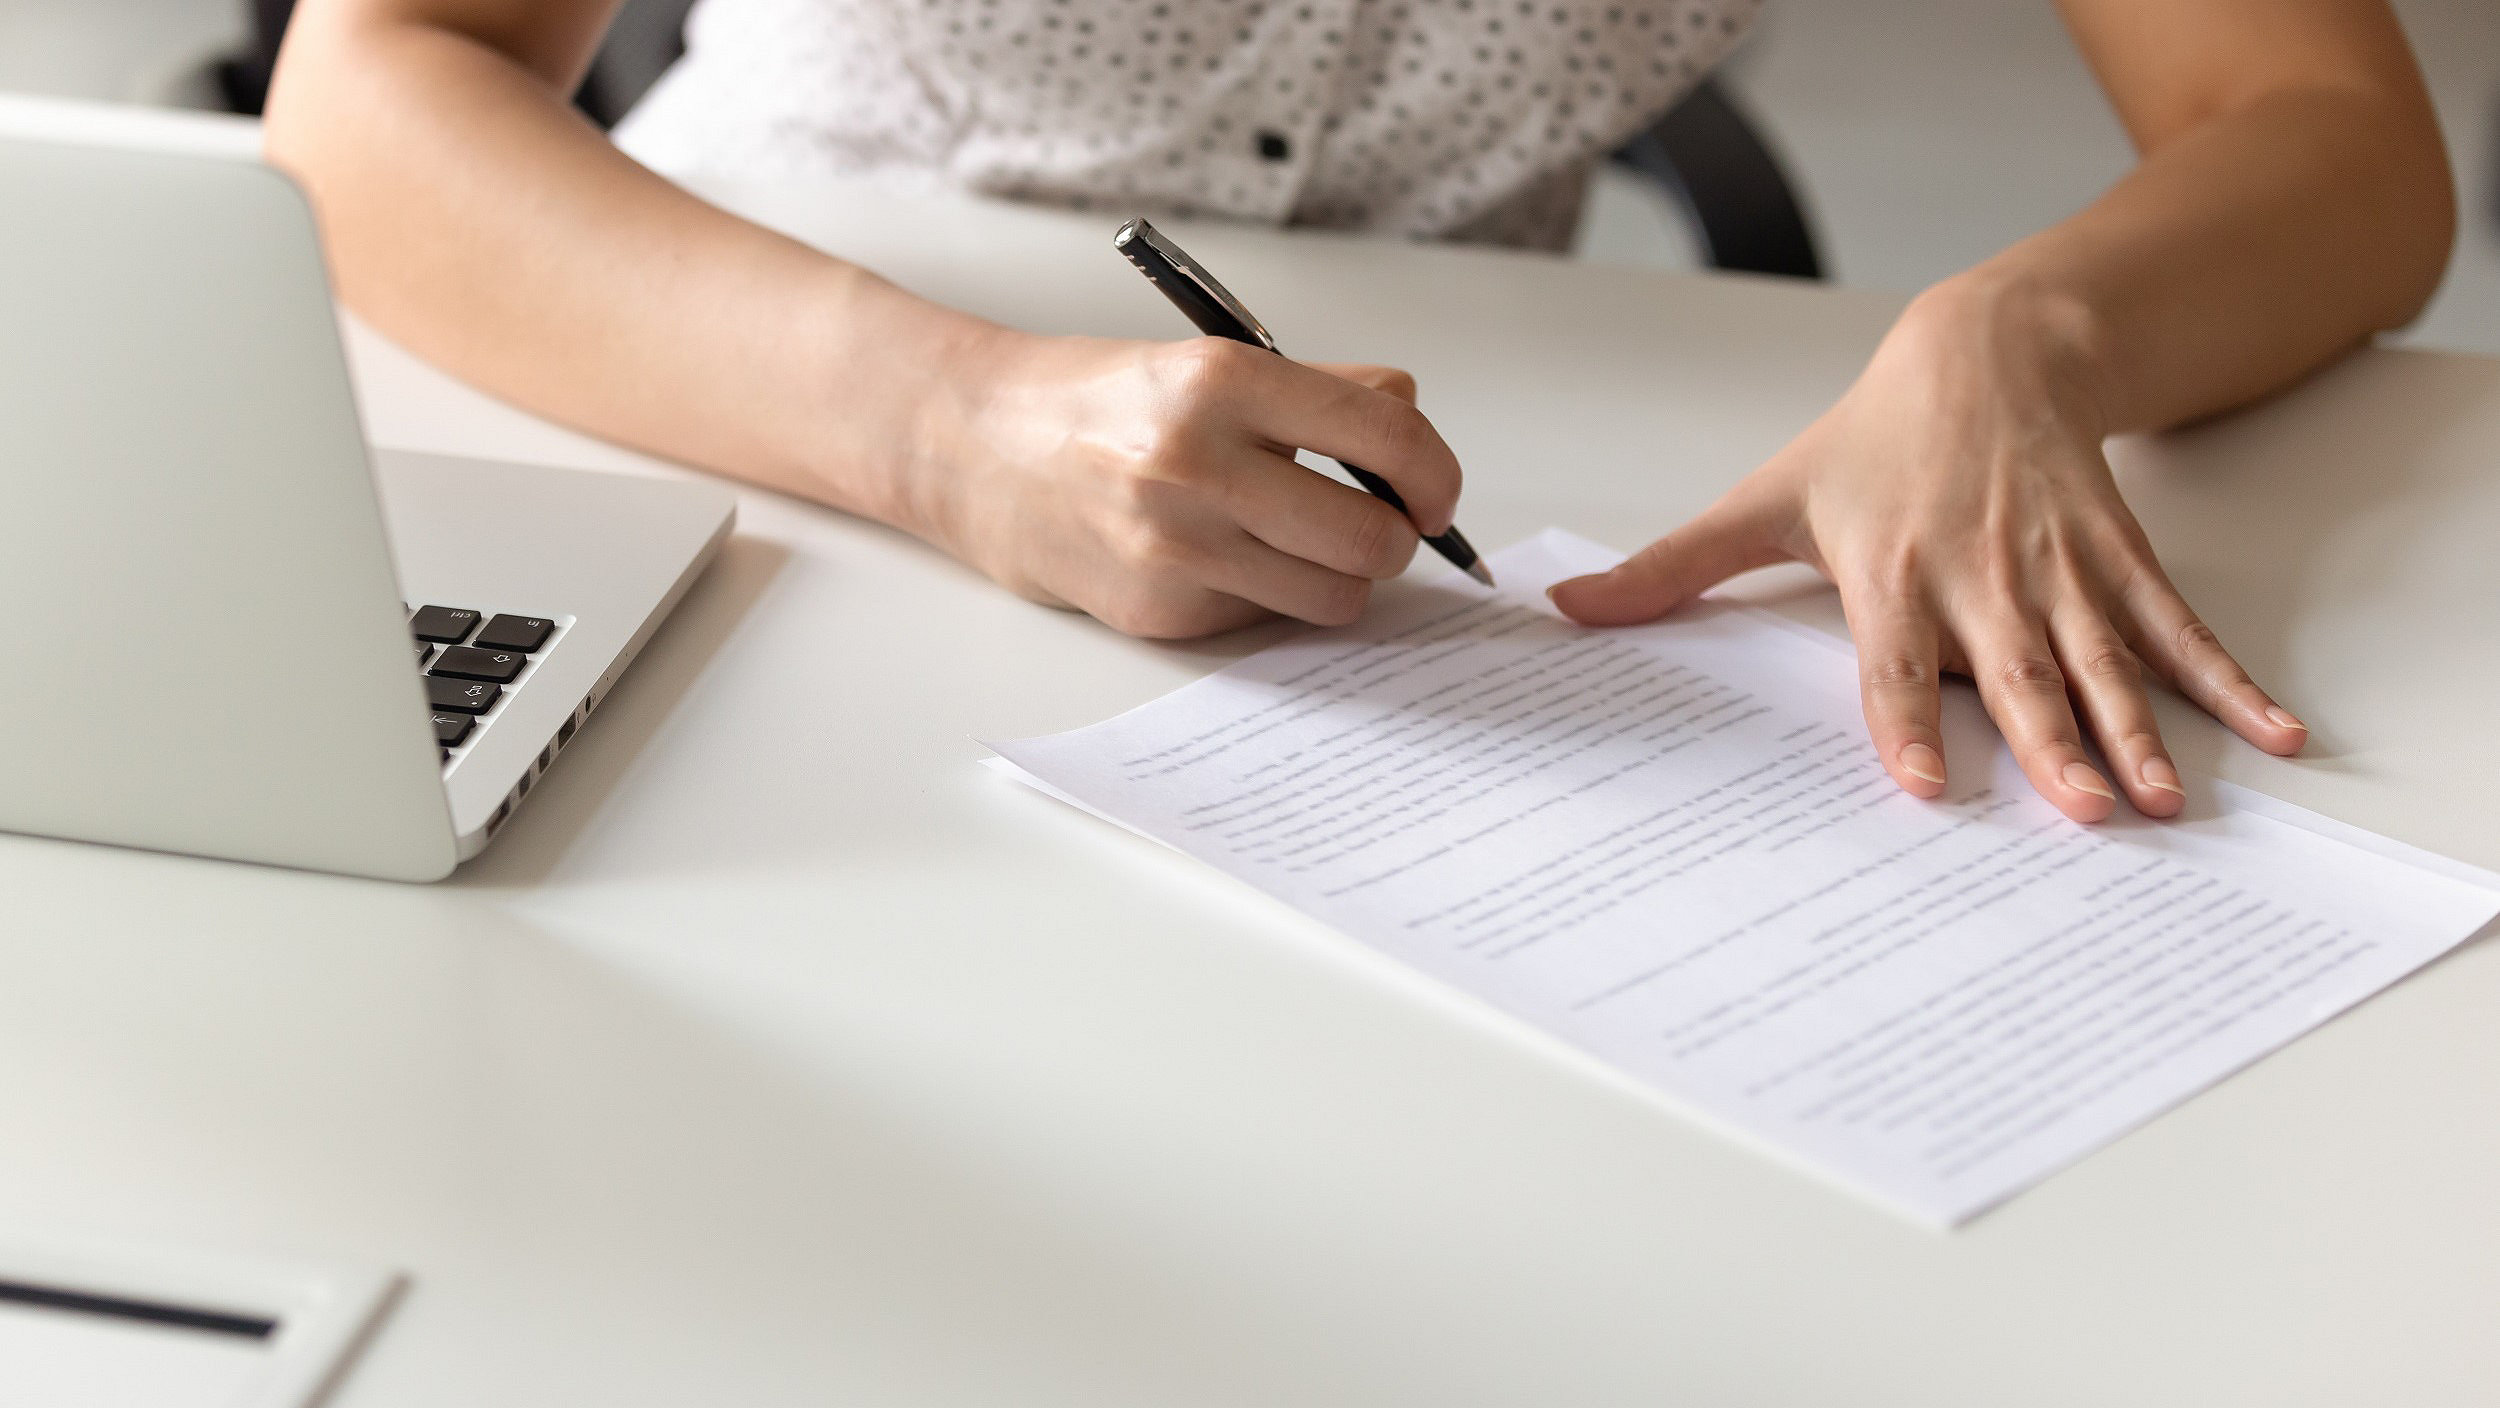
[(1454, 119)]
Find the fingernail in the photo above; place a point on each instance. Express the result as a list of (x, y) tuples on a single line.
[(1921, 762), (2157, 772), (2084, 779), (2283, 718)]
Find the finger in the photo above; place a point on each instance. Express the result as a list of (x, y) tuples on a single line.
[(2109, 682), (1295, 407), (1220, 612), (1317, 519), (2171, 638), (1387, 380), (1897, 673), (1729, 537), (1288, 585), (1168, 613), (2025, 692)]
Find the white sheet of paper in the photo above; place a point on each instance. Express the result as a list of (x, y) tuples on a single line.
[(1671, 846)]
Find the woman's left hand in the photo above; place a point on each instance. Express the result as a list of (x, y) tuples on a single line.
[(1958, 497)]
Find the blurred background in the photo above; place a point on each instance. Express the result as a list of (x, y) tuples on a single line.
[(1919, 135)]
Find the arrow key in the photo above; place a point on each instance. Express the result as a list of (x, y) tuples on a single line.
[(467, 662), (461, 696)]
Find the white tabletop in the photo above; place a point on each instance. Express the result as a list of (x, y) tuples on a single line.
[(777, 1053)]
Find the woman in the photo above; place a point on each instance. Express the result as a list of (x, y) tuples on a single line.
[(2291, 199)]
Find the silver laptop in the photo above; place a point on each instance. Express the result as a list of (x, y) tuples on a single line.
[(230, 629)]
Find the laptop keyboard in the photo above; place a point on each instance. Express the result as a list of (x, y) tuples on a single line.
[(471, 661)]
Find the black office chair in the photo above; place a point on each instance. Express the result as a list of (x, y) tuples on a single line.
[(1710, 158), (1706, 153)]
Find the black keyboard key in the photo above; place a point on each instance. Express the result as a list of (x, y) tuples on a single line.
[(424, 649), (470, 663), (451, 729), (461, 696), (448, 625), (521, 633)]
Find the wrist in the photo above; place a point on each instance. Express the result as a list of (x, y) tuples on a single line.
[(2018, 329), (960, 365), (896, 377)]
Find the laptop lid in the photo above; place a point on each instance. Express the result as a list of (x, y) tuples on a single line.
[(206, 648)]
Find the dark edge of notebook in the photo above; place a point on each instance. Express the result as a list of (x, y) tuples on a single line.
[(154, 1313)]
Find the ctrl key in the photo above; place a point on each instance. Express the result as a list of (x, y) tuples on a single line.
[(461, 696)]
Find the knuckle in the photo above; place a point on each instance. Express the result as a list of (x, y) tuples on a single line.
[(1895, 576), (2200, 649), (2111, 661), (1156, 549), (1341, 602), (1408, 441), (1169, 444), (1197, 369), (1375, 546), (1149, 499), (1166, 448), (1399, 427), (1160, 615), (1898, 669), (2030, 673), (2195, 638)]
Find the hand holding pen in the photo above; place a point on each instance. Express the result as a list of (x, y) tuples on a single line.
[(1151, 484), (1215, 312)]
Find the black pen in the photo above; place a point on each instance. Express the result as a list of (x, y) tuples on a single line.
[(1218, 314)]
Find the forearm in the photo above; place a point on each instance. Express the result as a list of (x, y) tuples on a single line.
[(2236, 257), (474, 217)]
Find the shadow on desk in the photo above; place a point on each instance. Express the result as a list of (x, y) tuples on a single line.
[(2298, 522), (578, 786)]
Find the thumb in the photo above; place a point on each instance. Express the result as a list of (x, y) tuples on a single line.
[(1722, 542), (1385, 379)]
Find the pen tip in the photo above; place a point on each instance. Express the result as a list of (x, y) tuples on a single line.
[(1480, 572)]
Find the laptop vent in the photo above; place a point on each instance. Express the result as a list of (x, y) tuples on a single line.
[(546, 758)]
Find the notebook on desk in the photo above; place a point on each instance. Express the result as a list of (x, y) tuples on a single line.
[(92, 1323)]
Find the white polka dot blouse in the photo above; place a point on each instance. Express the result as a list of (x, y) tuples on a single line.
[(1474, 120)]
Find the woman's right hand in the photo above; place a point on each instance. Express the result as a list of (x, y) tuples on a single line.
[(1150, 484), (1154, 485)]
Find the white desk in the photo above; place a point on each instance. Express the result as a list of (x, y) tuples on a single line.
[(778, 1054)]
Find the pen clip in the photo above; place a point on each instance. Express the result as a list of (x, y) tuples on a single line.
[(1138, 231)]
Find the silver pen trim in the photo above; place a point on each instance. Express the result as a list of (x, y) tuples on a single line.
[(1207, 283)]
